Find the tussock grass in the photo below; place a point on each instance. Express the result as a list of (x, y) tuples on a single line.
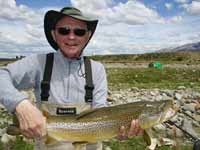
[(170, 78)]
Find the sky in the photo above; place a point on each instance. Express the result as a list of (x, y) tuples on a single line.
[(125, 26)]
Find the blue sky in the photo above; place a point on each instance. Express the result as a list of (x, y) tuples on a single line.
[(125, 26)]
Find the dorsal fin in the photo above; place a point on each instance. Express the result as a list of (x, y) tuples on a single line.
[(85, 113)]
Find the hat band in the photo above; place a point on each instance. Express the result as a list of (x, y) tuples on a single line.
[(66, 12)]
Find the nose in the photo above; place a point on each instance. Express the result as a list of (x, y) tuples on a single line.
[(71, 35)]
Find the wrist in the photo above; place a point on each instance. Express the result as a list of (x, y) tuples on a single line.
[(22, 105)]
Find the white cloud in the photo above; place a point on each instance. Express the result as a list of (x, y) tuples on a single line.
[(131, 12), (181, 1), (21, 28), (194, 8), (176, 19), (168, 6), (10, 11)]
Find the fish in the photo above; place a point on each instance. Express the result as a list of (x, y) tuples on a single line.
[(103, 123)]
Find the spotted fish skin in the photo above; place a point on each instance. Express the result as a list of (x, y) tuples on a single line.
[(103, 123)]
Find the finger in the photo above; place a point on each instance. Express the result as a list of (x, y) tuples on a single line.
[(40, 129), (122, 134), (43, 131), (28, 133), (133, 128), (25, 130), (141, 132), (122, 131), (138, 129)]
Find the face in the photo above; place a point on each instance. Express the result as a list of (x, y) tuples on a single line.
[(71, 35)]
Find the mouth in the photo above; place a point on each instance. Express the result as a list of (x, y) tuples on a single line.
[(71, 45)]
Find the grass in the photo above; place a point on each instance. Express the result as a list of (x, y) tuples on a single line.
[(137, 143), (19, 144), (165, 58), (170, 78)]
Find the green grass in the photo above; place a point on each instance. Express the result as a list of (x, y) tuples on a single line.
[(19, 144), (166, 58), (137, 143), (170, 78)]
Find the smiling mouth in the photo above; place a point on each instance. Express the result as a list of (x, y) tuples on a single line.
[(71, 45)]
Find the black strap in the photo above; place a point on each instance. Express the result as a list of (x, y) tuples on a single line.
[(45, 84), (89, 87)]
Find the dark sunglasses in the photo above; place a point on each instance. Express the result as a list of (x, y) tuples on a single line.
[(67, 30)]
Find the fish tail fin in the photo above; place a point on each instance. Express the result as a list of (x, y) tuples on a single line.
[(13, 130)]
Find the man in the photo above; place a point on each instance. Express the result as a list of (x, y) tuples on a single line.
[(68, 32)]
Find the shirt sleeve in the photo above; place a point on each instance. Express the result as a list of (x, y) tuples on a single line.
[(100, 85), (15, 77)]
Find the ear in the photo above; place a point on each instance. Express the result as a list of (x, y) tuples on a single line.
[(89, 35), (53, 35)]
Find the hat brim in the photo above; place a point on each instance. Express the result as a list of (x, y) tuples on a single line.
[(52, 17)]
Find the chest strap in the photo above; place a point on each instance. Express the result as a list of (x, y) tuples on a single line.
[(89, 87), (45, 84)]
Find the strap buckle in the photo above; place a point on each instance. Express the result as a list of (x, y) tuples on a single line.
[(89, 94), (45, 87)]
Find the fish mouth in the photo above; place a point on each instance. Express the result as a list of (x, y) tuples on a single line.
[(168, 115), (149, 120)]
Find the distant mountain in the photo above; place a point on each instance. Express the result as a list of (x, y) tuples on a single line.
[(192, 47)]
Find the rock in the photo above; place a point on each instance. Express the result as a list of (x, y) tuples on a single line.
[(187, 125), (2, 131), (107, 148), (197, 107), (167, 141), (190, 107), (178, 96), (7, 138)]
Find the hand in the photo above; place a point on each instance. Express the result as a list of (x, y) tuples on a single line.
[(134, 130), (32, 122)]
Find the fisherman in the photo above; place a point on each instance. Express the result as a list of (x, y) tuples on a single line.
[(68, 31)]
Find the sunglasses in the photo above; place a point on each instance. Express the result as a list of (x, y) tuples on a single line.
[(66, 30)]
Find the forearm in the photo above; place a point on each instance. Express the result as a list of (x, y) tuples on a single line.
[(9, 95)]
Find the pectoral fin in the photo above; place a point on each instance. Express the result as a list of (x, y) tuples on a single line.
[(50, 141), (79, 145), (149, 139)]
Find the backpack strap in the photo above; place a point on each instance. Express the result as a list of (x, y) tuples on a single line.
[(89, 87), (45, 84)]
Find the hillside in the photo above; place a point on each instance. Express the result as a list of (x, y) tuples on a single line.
[(167, 58), (191, 47)]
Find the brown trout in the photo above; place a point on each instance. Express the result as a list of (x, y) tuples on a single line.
[(104, 123)]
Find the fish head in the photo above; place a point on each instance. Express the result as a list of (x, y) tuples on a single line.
[(156, 113)]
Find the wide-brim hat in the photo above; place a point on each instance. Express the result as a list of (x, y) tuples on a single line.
[(52, 17)]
